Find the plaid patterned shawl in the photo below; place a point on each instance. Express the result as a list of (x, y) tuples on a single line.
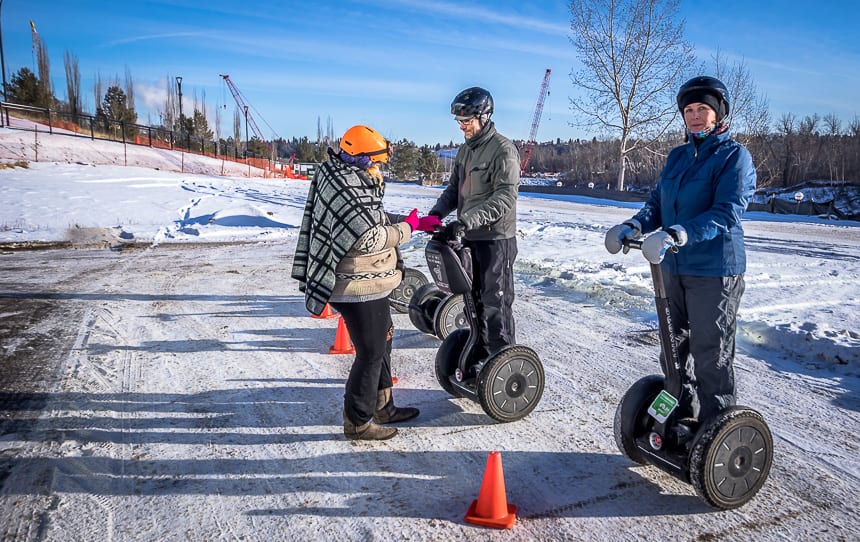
[(343, 203)]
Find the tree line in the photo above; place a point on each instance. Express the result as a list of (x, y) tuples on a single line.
[(812, 148)]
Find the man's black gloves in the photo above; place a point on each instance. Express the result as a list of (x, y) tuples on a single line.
[(455, 230)]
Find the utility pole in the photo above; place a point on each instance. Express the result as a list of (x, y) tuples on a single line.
[(181, 124), (246, 131), (2, 58)]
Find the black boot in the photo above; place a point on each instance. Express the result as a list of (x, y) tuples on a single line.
[(386, 412)]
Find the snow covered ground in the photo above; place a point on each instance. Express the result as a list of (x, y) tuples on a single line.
[(177, 388)]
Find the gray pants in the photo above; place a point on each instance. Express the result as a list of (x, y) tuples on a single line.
[(704, 315)]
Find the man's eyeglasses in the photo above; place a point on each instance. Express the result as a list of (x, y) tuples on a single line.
[(464, 121)]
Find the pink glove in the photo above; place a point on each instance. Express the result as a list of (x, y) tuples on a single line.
[(429, 223), (412, 219)]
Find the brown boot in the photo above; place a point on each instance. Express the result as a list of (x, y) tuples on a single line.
[(386, 412), (366, 431)]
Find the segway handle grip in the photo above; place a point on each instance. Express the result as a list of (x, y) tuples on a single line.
[(631, 243)]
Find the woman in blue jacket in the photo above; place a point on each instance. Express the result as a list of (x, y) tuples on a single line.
[(697, 204)]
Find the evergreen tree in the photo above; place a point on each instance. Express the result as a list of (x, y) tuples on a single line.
[(200, 126), (405, 162), (305, 151), (23, 88), (115, 109), (258, 147), (115, 106)]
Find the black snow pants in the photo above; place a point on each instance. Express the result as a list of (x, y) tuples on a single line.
[(493, 290), (370, 328), (704, 317)]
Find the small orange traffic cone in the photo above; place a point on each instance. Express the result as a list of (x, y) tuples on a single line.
[(342, 342), (327, 312), (491, 509)]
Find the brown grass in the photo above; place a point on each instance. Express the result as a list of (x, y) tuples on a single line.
[(13, 165)]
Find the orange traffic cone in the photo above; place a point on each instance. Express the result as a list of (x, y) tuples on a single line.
[(327, 312), (491, 509), (342, 342)]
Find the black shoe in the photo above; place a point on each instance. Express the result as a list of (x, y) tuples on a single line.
[(685, 430)]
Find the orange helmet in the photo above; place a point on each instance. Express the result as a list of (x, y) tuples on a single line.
[(364, 140)]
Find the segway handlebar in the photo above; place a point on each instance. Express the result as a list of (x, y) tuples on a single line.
[(631, 243), (627, 244)]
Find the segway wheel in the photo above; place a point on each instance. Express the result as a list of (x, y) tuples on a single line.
[(731, 458), (422, 306), (511, 383), (631, 416), (400, 296), (450, 316), (448, 358)]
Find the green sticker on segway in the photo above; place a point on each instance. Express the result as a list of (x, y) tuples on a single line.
[(662, 406)]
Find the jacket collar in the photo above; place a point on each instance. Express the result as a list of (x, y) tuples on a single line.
[(482, 136), (708, 144)]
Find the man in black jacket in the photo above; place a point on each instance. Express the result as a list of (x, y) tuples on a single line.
[(483, 190)]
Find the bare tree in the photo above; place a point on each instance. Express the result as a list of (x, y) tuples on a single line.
[(218, 128), (46, 93), (73, 85), (129, 88), (832, 124), (749, 113), (170, 104), (237, 128), (98, 87), (833, 148), (634, 58), (854, 128)]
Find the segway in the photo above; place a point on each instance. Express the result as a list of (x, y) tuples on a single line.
[(726, 458), (436, 312), (399, 297), (508, 383)]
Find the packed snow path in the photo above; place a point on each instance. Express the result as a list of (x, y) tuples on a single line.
[(183, 392)]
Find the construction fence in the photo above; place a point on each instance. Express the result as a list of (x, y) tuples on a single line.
[(104, 129)]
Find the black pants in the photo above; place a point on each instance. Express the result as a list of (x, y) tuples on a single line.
[(704, 314), (493, 289), (370, 328)]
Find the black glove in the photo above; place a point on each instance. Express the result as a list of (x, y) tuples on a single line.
[(455, 230)]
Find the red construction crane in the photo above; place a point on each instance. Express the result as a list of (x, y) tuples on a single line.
[(527, 148), (289, 168), (244, 107)]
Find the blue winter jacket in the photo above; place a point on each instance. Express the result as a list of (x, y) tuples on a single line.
[(705, 190)]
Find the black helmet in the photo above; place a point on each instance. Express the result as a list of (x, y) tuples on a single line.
[(707, 90), (472, 102)]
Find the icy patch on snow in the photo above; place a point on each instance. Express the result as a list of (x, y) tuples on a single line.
[(807, 341)]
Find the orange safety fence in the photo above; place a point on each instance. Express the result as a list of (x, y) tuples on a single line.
[(144, 137)]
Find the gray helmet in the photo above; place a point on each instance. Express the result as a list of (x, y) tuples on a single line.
[(472, 102), (707, 90)]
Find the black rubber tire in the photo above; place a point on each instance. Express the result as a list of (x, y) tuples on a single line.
[(450, 316), (511, 383), (731, 457), (422, 306), (632, 418), (402, 295), (448, 357)]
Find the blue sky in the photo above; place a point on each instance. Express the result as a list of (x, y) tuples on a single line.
[(396, 64)]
